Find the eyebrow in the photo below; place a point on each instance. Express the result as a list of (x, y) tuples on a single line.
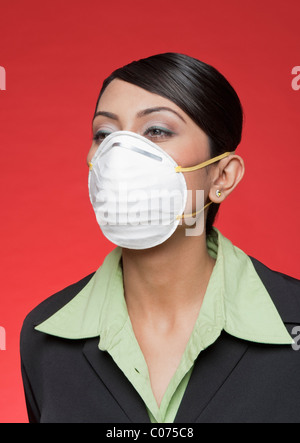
[(140, 113)]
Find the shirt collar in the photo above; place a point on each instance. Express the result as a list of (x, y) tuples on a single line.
[(236, 301), (249, 311)]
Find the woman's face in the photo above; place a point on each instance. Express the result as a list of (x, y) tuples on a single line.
[(126, 107)]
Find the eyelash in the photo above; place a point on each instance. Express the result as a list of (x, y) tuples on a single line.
[(164, 133), (100, 136)]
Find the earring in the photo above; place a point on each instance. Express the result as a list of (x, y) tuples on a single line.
[(218, 193)]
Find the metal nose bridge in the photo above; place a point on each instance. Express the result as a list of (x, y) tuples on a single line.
[(139, 150)]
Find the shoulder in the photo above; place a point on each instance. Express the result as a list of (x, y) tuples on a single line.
[(50, 306), (283, 289), (273, 278)]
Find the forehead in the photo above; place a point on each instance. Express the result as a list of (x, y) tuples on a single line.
[(120, 94)]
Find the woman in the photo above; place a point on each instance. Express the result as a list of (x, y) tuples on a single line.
[(178, 325)]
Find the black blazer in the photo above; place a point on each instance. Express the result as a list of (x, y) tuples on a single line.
[(233, 381)]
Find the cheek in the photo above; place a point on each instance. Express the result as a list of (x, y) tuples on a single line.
[(197, 180), (189, 149), (196, 200)]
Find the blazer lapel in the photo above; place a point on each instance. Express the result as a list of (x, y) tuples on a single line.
[(211, 370), (277, 285), (120, 388)]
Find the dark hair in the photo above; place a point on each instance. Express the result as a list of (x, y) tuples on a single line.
[(199, 90)]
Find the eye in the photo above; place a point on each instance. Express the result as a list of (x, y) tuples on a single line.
[(100, 136), (158, 133)]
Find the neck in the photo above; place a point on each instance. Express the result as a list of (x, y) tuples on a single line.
[(168, 280)]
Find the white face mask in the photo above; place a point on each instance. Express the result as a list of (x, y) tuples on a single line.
[(137, 190)]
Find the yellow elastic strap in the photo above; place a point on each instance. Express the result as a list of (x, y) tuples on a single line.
[(194, 213), (90, 166), (202, 165)]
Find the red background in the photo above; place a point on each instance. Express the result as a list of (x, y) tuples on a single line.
[(56, 55)]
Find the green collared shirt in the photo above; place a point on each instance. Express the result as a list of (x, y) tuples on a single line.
[(236, 301)]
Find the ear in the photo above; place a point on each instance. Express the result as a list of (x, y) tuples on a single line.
[(225, 176)]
